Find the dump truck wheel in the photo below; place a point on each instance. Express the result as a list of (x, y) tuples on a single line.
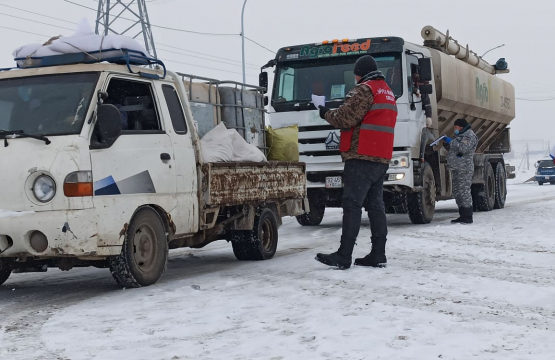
[(483, 195), (500, 187), (144, 253), (260, 243), (422, 204), (316, 214), (5, 270)]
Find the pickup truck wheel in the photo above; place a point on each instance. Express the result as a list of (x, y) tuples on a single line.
[(260, 243), (144, 253), (483, 195), (317, 209), (5, 270), (500, 187), (552, 182), (422, 204), (540, 182)]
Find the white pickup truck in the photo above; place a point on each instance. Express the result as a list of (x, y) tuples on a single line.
[(102, 166)]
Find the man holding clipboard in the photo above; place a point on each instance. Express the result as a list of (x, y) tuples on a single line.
[(367, 119)]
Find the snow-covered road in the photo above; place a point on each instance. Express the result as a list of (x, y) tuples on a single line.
[(485, 291)]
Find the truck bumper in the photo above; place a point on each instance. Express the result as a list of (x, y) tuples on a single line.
[(70, 233), (395, 177), (545, 177)]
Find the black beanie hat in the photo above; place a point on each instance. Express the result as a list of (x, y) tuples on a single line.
[(461, 122), (364, 65)]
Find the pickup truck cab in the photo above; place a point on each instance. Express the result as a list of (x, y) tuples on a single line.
[(102, 167), (545, 172)]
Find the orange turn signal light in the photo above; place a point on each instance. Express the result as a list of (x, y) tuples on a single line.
[(79, 184), (335, 41), (78, 189)]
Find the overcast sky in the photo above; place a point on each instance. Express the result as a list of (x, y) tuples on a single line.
[(525, 27)]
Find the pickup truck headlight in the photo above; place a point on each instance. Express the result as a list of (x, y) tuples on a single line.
[(399, 161), (44, 188)]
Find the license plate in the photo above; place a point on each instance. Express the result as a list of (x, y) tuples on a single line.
[(334, 182)]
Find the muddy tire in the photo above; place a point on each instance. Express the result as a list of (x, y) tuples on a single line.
[(500, 186), (317, 209), (422, 204), (483, 195), (260, 243), (5, 270), (144, 253)]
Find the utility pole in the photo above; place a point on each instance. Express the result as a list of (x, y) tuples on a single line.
[(243, 39), (527, 158), (111, 14)]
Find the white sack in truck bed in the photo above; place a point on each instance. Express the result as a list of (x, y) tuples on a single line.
[(223, 145)]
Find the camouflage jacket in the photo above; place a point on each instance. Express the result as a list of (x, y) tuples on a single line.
[(461, 151), (350, 115)]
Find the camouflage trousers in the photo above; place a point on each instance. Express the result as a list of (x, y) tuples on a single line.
[(462, 181)]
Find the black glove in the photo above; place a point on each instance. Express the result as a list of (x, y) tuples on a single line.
[(323, 111)]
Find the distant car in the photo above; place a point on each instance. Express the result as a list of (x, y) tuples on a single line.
[(545, 172)]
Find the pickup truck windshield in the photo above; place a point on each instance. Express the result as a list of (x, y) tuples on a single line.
[(546, 164), (46, 105), (296, 81)]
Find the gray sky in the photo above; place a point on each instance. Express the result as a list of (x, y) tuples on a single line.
[(524, 26)]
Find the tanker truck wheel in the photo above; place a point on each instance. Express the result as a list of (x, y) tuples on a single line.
[(500, 186), (422, 204), (483, 195), (317, 206), (5, 270)]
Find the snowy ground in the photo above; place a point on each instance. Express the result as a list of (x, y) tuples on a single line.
[(484, 291)]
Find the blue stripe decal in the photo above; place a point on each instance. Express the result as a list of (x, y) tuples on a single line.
[(137, 184)]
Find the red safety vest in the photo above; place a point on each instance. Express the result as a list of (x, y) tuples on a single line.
[(377, 128)]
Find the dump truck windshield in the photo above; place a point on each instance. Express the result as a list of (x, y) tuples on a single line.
[(333, 78), (47, 104)]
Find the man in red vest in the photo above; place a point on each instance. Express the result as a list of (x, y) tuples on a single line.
[(367, 119)]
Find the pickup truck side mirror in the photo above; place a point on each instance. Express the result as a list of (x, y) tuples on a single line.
[(263, 81), (425, 66), (109, 122), (426, 89)]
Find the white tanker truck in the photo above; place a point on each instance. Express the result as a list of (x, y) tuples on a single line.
[(461, 85)]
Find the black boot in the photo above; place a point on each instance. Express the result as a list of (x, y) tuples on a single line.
[(341, 258), (465, 216), (377, 257), (460, 218)]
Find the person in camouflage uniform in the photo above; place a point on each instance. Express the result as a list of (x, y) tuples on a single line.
[(460, 161)]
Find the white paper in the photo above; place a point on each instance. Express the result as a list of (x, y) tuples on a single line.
[(318, 100), (437, 140)]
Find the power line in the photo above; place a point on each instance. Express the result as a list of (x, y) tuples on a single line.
[(35, 21), (160, 26), (182, 30), (203, 58), (214, 56), (23, 31), (207, 67), (262, 46), (35, 13)]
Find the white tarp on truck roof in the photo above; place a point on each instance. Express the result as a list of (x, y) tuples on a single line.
[(84, 40)]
